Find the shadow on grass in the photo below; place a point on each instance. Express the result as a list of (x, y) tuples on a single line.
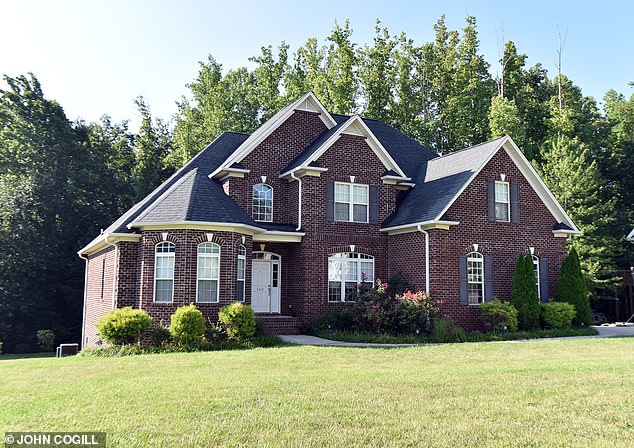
[(26, 356)]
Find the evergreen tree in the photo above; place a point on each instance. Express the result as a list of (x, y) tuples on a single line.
[(572, 288), (524, 293)]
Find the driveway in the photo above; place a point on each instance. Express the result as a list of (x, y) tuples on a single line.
[(612, 331)]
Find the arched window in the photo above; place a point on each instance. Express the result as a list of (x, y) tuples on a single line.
[(262, 203), (240, 274), (164, 272), (536, 267), (207, 285), (345, 271), (475, 278)]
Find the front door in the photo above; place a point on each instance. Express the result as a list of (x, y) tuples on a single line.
[(265, 286)]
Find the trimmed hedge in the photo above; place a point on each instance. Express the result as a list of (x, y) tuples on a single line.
[(557, 315), (123, 325), (187, 325), (239, 320), (499, 316)]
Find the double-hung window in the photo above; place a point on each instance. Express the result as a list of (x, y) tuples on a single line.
[(240, 274), (262, 203), (475, 278), (208, 273), (345, 272), (502, 202), (164, 272), (351, 202)]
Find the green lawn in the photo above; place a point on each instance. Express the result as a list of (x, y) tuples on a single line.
[(544, 393)]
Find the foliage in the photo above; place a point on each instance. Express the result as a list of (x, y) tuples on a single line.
[(417, 310), (504, 119), (123, 325), (499, 316), (187, 325), (214, 332), (524, 293), (45, 340), (341, 318), (160, 335), (398, 284), (571, 288), (446, 329), (557, 315), (239, 320)]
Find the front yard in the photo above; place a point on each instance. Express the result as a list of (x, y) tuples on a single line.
[(542, 393)]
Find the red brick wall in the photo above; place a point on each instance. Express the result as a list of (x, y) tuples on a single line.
[(504, 241), (185, 261), (99, 291), (274, 154)]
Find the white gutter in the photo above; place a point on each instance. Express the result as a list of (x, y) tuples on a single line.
[(299, 205), (420, 229)]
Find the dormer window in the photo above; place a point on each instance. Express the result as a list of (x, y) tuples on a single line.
[(262, 203), (351, 202), (502, 202)]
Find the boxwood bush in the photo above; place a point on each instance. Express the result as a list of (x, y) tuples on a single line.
[(239, 320), (557, 315), (499, 316), (187, 325), (123, 325)]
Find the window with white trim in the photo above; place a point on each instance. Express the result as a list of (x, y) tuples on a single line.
[(262, 203), (208, 273), (351, 202), (164, 271), (502, 202), (475, 278), (240, 272), (345, 271), (536, 268)]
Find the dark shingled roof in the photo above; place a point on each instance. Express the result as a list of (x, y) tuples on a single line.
[(438, 183), (207, 160), (195, 197)]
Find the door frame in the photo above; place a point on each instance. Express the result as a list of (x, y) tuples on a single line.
[(274, 260)]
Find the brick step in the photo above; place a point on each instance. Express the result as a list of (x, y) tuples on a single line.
[(277, 324)]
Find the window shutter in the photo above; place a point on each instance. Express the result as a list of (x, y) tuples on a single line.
[(543, 279), (488, 279), (462, 267), (491, 199), (330, 201), (515, 202), (374, 204)]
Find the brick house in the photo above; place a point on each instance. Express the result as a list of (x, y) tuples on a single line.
[(290, 218)]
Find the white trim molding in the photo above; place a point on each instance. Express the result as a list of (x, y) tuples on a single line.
[(418, 226), (630, 237)]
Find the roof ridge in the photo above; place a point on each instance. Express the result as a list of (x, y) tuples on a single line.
[(444, 156)]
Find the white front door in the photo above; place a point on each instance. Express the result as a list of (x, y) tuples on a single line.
[(265, 286)]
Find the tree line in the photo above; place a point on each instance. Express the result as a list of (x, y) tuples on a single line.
[(63, 181)]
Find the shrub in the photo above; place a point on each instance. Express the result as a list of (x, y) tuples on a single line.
[(0, 347), (499, 316), (398, 284), (416, 311), (123, 325), (239, 320), (571, 288), (187, 325), (376, 311), (558, 315), (160, 335), (446, 329), (45, 340), (341, 318), (524, 293), (214, 332)]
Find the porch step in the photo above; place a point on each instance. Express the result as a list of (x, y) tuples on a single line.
[(277, 324)]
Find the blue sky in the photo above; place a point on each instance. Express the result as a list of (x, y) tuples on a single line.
[(95, 57)]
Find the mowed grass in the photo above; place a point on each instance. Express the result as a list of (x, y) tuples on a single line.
[(564, 393)]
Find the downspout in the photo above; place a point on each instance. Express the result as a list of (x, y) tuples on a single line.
[(83, 319), (420, 229), (299, 205)]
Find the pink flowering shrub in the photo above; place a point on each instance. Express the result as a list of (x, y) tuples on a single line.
[(379, 312)]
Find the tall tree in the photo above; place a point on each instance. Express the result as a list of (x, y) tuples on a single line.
[(341, 70), (152, 144), (268, 76)]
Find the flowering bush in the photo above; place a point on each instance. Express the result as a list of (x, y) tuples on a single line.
[(379, 312), (417, 310)]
